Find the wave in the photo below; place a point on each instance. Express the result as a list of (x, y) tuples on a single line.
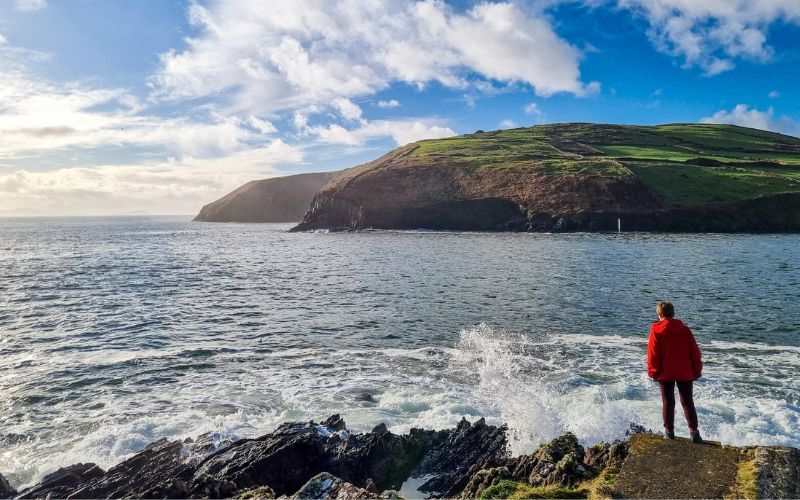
[(595, 386)]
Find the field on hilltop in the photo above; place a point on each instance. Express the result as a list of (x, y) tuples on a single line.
[(685, 164)]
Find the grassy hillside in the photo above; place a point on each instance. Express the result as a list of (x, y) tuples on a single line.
[(685, 164)]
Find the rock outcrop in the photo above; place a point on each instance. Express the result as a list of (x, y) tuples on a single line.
[(6, 491), (324, 460), (279, 199)]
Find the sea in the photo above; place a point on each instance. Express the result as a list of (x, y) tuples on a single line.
[(115, 332)]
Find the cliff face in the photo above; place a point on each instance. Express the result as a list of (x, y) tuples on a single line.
[(573, 177), (280, 199)]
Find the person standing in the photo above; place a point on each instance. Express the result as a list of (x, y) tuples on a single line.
[(673, 358)]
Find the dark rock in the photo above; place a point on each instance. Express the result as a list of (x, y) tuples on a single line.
[(603, 455), (466, 451), (64, 481), (6, 491), (287, 458), (208, 487), (483, 479), (558, 462), (634, 429), (334, 422), (283, 460), (778, 473), (260, 493), (327, 486), (385, 458), (156, 464)]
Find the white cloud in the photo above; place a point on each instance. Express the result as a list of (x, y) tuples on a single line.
[(391, 103), (262, 126), (347, 109), (267, 57), (533, 109), (30, 5), (507, 123), (745, 116), (712, 34), (401, 131), (170, 186), (774, 94)]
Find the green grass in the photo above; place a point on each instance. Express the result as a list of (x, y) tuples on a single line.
[(671, 153), (722, 137), (661, 156), (681, 184), (514, 490)]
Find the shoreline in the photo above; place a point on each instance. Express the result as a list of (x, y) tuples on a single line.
[(326, 460)]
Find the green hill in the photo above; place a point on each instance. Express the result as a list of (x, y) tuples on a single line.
[(577, 176)]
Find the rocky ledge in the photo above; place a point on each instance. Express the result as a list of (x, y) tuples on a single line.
[(325, 460)]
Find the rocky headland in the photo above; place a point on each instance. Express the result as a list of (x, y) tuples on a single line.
[(279, 199), (325, 460), (574, 177)]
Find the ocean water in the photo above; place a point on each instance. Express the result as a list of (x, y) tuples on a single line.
[(115, 332)]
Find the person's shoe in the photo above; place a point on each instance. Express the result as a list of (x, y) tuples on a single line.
[(669, 434), (696, 439)]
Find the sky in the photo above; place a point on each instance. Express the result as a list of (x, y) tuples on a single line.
[(118, 107)]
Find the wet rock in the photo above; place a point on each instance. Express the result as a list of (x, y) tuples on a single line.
[(283, 460), (156, 464), (557, 462), (483, 479), (634, 429), (64, 481), (260, 493), (603, 455), (208, 487), (6, 491), (328, 486), (287, 458), (467, 450), (195, 450), (778, 473)]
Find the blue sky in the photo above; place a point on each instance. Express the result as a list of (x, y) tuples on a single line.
[(118, 107)]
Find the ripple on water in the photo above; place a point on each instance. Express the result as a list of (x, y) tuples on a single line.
[(120, 331)]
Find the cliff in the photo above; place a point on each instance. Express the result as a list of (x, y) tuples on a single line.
[(279, 199), (574, 177), (325, 460)]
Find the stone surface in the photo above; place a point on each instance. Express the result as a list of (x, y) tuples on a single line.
[(325, 460), (661, 468), (558, 462), (155, 464), (483, 479), (64, 481), (6, 491), (295, 452), (466, 451), (778, 472)]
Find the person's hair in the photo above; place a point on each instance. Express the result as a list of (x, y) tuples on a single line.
[(665, 309)]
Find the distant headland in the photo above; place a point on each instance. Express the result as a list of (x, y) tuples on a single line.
[(550, 178)]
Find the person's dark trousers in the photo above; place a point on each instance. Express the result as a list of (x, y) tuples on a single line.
[(668, 404)]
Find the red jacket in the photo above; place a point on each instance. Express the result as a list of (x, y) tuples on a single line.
[(672, 353)]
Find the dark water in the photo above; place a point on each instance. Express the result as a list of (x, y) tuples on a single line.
[(118, 331)]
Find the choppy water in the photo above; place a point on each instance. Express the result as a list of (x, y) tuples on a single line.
[(115, 332)]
